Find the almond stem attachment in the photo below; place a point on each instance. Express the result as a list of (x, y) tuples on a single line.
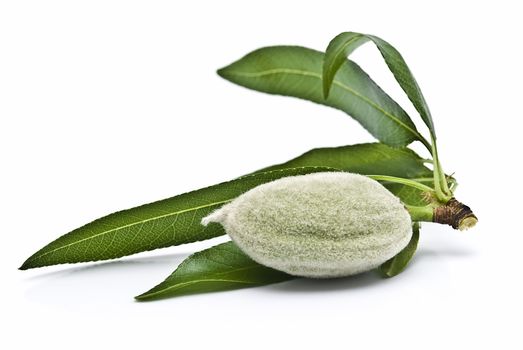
[(455, 214)]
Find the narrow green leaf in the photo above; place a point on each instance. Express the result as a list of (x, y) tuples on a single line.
[(334, 59), (345, 43), (398, 263), (297, 71), (222, 267), (371, 159), (176, 220), (364, 158), (151, 226)]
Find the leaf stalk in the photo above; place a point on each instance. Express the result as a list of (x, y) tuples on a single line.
[(403, 181), (441, 188)]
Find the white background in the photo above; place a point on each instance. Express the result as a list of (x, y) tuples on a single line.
[(105, 105)]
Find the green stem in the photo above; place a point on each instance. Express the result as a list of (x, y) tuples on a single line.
[(402, 181), (425, 143), (425, 213), (440, 182)]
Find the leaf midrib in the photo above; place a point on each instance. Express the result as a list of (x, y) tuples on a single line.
[(183, 284), (141, 222), (336, 82)]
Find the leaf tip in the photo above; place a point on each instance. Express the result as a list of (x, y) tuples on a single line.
[(326, 89), (26, 265), (141, 297), (326, 81), (385, 273), (222, 72), (146, 296), (150, 295)]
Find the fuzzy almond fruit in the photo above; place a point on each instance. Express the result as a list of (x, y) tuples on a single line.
[(320, 225)]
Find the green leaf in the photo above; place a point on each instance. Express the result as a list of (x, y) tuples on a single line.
[(160, 224), (398, 263), (222, 267), (364, 158), (176, 220), (297, 71), (337, 56), (345, 43), (371, 159), (410, 195)]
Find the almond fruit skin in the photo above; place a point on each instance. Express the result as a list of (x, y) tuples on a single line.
[(320, 225)]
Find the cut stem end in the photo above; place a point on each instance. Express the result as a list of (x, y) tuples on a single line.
[(467, 223), (455, 214)]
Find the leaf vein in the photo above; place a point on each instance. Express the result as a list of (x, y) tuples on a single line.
[(336, 82)]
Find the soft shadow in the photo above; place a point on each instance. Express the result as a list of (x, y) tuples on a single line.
[(171, 260), (106, 283), (425, 253), (309, 285), (114, 279)]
